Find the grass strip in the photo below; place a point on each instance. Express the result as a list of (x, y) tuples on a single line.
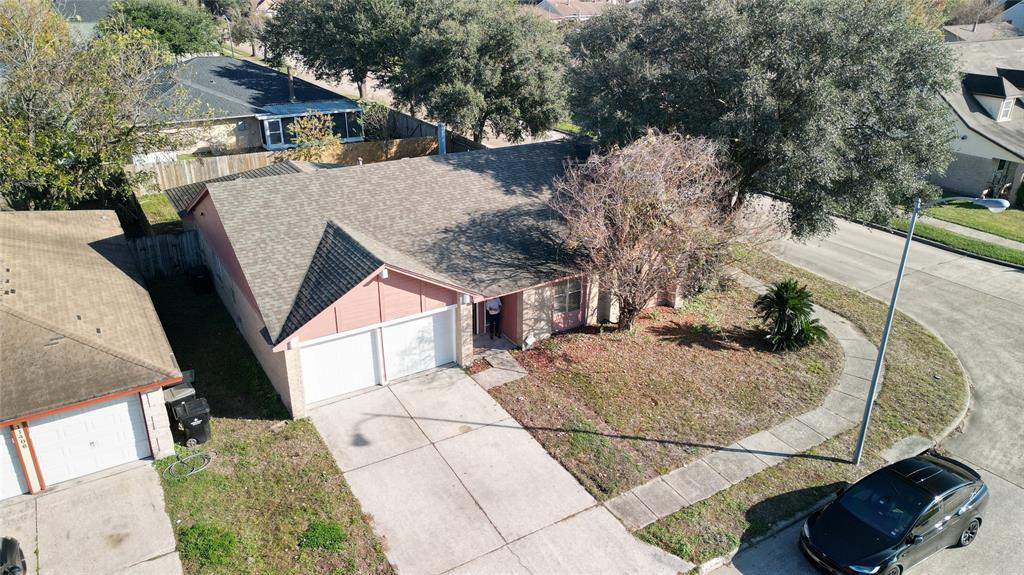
[(922, 392), (967, 244), (160, 213), (1008, 224)]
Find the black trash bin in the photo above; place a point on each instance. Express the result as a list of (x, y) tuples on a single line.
[(202, 282), (194, 416), (178, 394)]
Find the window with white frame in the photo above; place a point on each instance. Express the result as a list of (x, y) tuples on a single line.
[(1006, 109), (275, 134), (568, 296)]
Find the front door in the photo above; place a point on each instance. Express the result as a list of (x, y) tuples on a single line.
[(567, 304)]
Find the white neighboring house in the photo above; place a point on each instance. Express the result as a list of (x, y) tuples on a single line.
[(988, 118), (1014, 14)]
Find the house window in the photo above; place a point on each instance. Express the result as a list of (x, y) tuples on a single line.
[(1005, 109), (568, 295), (275, 135), (1001, 165)]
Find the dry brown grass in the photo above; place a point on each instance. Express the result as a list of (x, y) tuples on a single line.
[(619, 408)]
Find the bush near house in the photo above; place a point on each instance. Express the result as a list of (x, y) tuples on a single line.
[(786, 308), (273, 486), (922, 392)]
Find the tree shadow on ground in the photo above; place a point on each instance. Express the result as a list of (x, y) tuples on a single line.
[(711, 337), (786, 508)]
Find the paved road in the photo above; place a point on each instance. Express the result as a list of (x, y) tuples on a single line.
[(978, 309)]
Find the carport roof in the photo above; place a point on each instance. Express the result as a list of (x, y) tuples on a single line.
[(76, 321), (478, 221)]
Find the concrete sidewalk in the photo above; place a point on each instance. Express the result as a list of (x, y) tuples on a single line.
[(454, 484), (108, 523), (972, 233)]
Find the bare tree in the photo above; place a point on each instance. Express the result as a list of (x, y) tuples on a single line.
[(314, 138), (649, 218)]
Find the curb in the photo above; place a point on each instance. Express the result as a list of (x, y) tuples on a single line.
[(933, 243)]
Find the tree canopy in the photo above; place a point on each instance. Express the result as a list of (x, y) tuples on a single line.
[(185, 28), (339, 38), (73, 114), (477, 65), (829, 103)]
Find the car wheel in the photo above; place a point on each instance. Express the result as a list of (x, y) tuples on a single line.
[(894, 570), (970, 533)]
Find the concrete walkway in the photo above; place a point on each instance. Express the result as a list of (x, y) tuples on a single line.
[(841, 410), (978, 309), (113, 522), (503, 368), (972, 233), (454, 484)]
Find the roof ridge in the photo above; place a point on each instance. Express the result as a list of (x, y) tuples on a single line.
[(89, 342)]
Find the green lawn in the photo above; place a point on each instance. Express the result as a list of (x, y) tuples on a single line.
[(620, 408), (923, 391), (160, 213), (273, 501), (967, 244), (568, 127), (1008, 224)]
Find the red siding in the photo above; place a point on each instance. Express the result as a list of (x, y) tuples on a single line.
[(212, 229), (510, 323), (377, 300)]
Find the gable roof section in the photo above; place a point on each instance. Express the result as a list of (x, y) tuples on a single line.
[(76, 322), (993, 59), (184, 196), (225, 87), (477, 221)]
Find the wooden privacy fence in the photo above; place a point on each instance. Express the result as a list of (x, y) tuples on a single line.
[(167, 254)]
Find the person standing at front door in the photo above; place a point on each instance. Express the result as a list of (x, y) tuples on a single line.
[(494, 317)]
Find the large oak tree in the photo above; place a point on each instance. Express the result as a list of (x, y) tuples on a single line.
[(831, 104)]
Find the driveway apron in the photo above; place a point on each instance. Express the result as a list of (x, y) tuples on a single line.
[(454, 483)]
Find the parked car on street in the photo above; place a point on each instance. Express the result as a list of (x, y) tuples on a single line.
[(896, 517)]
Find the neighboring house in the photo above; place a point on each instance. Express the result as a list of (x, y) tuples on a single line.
[(1014, 12), (83, 357), (980, 32), (357, 276), (83, 15), (988, 119), (236, 105)]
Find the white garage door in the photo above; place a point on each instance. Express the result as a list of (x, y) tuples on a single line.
[(12, 480), (74, 443), (339, 366), (419, 344)]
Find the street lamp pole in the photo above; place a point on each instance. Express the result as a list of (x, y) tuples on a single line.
[(994, 205)]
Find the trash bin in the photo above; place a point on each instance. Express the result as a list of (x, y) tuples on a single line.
[(178, 394), (199, 277), (194, 416)]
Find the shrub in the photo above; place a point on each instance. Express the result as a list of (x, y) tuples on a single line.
[(326, 535), (208, 545), (786, 308)]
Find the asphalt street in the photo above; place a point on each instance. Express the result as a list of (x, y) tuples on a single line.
[(977, 308)]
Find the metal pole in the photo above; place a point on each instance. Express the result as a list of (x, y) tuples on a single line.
[(885, 337)]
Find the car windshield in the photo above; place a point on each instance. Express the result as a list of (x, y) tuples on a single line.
[(886, 502)]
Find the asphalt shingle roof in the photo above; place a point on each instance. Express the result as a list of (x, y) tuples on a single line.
[(76, 321), (183, 196), (226, 87), (987, 59), (478, 221)]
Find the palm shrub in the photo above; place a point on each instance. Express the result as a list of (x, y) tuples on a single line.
[(786, 309)]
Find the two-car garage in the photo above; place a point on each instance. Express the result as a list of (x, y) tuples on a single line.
[(377, 354)]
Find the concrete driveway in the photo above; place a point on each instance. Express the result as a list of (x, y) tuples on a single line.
[(978, 310), (454, 484), (108, 523)]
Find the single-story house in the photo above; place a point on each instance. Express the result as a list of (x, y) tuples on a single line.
[(83, 357), (83, 15), (569, 10), (237, 105), (357, 276), (987, 115)]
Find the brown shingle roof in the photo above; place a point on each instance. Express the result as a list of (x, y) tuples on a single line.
[(76, 321)]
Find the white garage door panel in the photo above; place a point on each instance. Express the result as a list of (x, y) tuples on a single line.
[(419, 344), (12, 480), (74, 443), (339, 366)]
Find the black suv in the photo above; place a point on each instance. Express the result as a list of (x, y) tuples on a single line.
[(896, 517)]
